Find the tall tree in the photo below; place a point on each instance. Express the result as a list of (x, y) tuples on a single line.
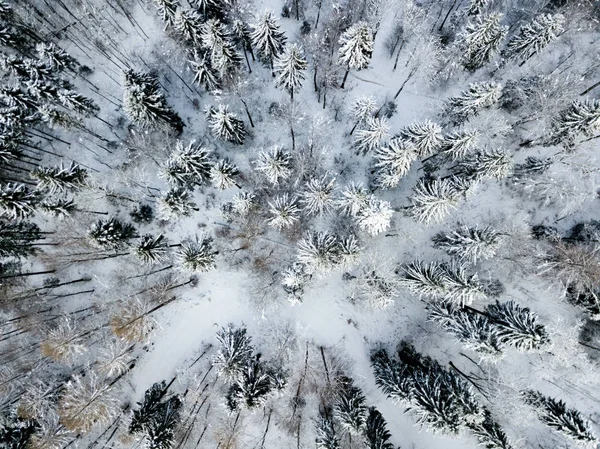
[(356, 48), (535, 36), (480, 40), (290, 68), (268, 38)]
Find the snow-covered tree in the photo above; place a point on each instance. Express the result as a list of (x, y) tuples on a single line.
[(293, 281), (61, 178), (204, 73), (317, 195), (370, 138), (54, 56), (375, 216), (458, 144), (112, 233), (326, 437), (115, 358), (350, 408), (251, 386), (86, 402), (517, 326), (145, 104), (224, 174), (476, 7), (555, 414), (225, 125), (489, 433), (535, 36), (243, 202), (376, 434), (64, 342), (267, 37), (235, 350), (470, 244), (490, 163), (481, 39), (424, 137), (218, 41), (284, 211), (188, 24), (470, 102), (349, 251), (76, 102), (318, 251), (289, 69), (167, 10), (150, 249), (581, 118), (276, 164), (354, 198), (361, 109), (188, 165), (197, 254), (356, 48), (176, 203), (577, 265), (433, 200), (392, 162), (17, 201), (60, 207), (210, 8)]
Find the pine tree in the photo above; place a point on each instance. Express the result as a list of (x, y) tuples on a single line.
[(59, 179), (189, 165), (349, 251), (204, 73), (145, 105), (188, 24), (461, 288), (517, 326), (375, 217), (276, 164), (289, 69), (167, 10), (361, 109), (394, 379), (369, 139), (326, 437), (17, 201), (481, 39), (235, 350), (225, 125), (218, 41), (223, 174), (61, 207), (317, 195), (197, 254), (251, 386), (318, 251), (392, 162), (56, 57), (470, 102), (16, 432), (150, 249), (534, 36), (294, 278), (356, 48), (469, 244), (581, 118), (76, 102), (111, 234), (176, 203), (349, 407), (210, 8), (267, 37), (495, 163), (376, 432), (17, 238), (425, 137), (532, 166), (476, 7), (354, 199), (433, 200), (556, 415), (243, 202), (284, 212), (458, 144)]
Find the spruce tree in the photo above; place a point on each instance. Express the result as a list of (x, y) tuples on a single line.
[(356, 48), (470, 102), (353, 199), (318, 252), (150, 249), (534, 36), (56, 57), (251, 386), (375, 216), (112, 233), (188, 24), (581, 118), (555, 414), (167, 10), (176, 203), (60, 207), (16, 432), (235, 350), (225, 125), (204, 73), (489, 433), (284, 211), (469, 244), (517, 326), (145, 104), (433, 200), (217, 40), (326, 436), (490, 163), (317, 195), (59, 179), (188, 165), (197, 254), (276, 164), (376, 433), (289, 69), (350, 408), (223, 174), (480, 40), (17, 201), (458, 144), (392, 162), (369, 139), (268, 38), (424, 137)]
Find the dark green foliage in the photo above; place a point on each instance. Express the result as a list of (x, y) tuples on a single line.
[(16, 432), (251, 386), (349, 407), (234, 351), (112, 234), (517, 326), (142, 213), (326, 436), (376, 433), (489, 433)]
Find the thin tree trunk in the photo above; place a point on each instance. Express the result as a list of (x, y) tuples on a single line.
[(589, 89), (447, 15), (345, 77)]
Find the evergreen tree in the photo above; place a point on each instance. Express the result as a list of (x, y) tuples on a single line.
[(375, 216), (251, 386), (267, 37), (189, 165), (15, 432), (361, 109), (204, 73), (54, 56), (470, 102), (476, 7), (235, 350), (356, 48), (17, 238), (59, 179), (188, 24), (111, 234), (243, 202), (587, 299), (489, 433), (17, 201), (289, 69), (210, 8), (581, 118), (354, 199), (61, 207), (480, 40), (394, 379), (145, 105), (370, 138), (349, 251), (556, 415), (318, 251), (284, 212), (317, 195), (424, 137), (350, 408), (225, 125), (532, 166), (392, 162), (469, 244), (486, 164), (176, 203), (534, 36), (197, 254), (217, 40), (167, 10), (150, 249), (294, 279), (76, 102), (276, 164), (458, 144), (223, 174), (517, 326), (326, 437), (376, 432), (433, 200)]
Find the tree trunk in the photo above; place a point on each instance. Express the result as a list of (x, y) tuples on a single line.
[(345, 77), (447, 15)]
